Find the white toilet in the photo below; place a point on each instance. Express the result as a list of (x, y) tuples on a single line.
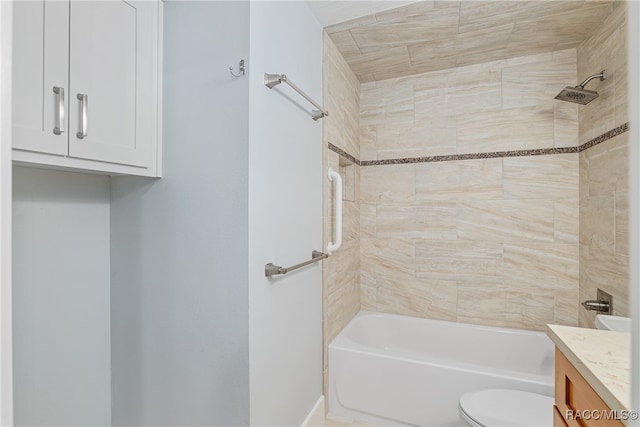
[(506, 408)]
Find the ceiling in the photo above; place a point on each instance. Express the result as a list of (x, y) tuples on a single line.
[(440, 34), (331, 12)]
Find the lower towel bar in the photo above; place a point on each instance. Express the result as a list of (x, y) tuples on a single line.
[(272, 269)]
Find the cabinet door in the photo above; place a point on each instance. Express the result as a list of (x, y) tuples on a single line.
[(113, 81), (40, 63)]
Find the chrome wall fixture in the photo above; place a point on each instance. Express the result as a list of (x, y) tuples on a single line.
[(602, 304), (241, 69), (273, 270), (271, 80), (580, 95)]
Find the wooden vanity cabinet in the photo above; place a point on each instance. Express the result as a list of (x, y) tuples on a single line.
[(574, 395)]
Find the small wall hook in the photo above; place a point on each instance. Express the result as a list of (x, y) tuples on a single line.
[(241, 69)]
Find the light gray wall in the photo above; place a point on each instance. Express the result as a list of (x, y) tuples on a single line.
[(61, 315), (285, 214), (180, 244)]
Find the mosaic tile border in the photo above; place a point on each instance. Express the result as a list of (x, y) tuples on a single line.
[(496, 154), (604, 137), (344, 154)]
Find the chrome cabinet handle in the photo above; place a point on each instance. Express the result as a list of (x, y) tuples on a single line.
[(83, 115), (58, 113)]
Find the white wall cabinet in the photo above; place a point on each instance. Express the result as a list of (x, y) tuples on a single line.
[(87, 85)]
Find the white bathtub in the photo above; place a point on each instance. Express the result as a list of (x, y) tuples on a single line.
[(397, 370)]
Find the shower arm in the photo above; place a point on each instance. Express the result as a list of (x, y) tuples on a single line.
[(601, 75)]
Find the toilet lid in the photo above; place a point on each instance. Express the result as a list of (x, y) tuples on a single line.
[(501, 407)]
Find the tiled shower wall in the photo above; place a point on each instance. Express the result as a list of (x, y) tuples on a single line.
[(490, 240), (341, 272), (604, 203)]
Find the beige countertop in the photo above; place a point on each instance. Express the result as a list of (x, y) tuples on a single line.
[(602, 358)]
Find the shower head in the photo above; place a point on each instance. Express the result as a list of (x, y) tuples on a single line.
[(579, 94)]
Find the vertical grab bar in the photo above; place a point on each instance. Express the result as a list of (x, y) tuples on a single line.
[(335, 245)]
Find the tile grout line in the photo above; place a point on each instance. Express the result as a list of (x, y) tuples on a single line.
[(490, 155)]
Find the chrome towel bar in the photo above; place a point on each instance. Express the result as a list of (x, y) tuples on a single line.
[(272, 269), (271, 80)]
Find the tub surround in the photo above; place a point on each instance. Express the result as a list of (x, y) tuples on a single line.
[(436, 35), (341, 272), (601, 357), (463, 216), (604, 170), (468, 177)]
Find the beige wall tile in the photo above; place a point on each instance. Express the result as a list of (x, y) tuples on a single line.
[(368, 297), (437, 237), (597, 222), (485, 44), (538, 309), (398, 99), (347, 172), (566, 306), (436, 299), (387, 184), (368, 220), (415, 139), (604, 175), (347, 46), (490, 302), (622, 224), (586, 319), (504, 130), (458, 260), (478, 15), (433, 221), (341, 274), (583, 166), (609, 167), (432, 24), (567, 220), (609, 272), (536, 266), (536, 84), (565, 124), (412, 11), (392, 61), (506, 220), (599, 113), (388, 258), (444, 34), (461, 91), (621, 96), (541, 177), (459, 180), (368, 143), (372, 104), (604, 49), (335, 321), (583, 263), (340, 270)]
